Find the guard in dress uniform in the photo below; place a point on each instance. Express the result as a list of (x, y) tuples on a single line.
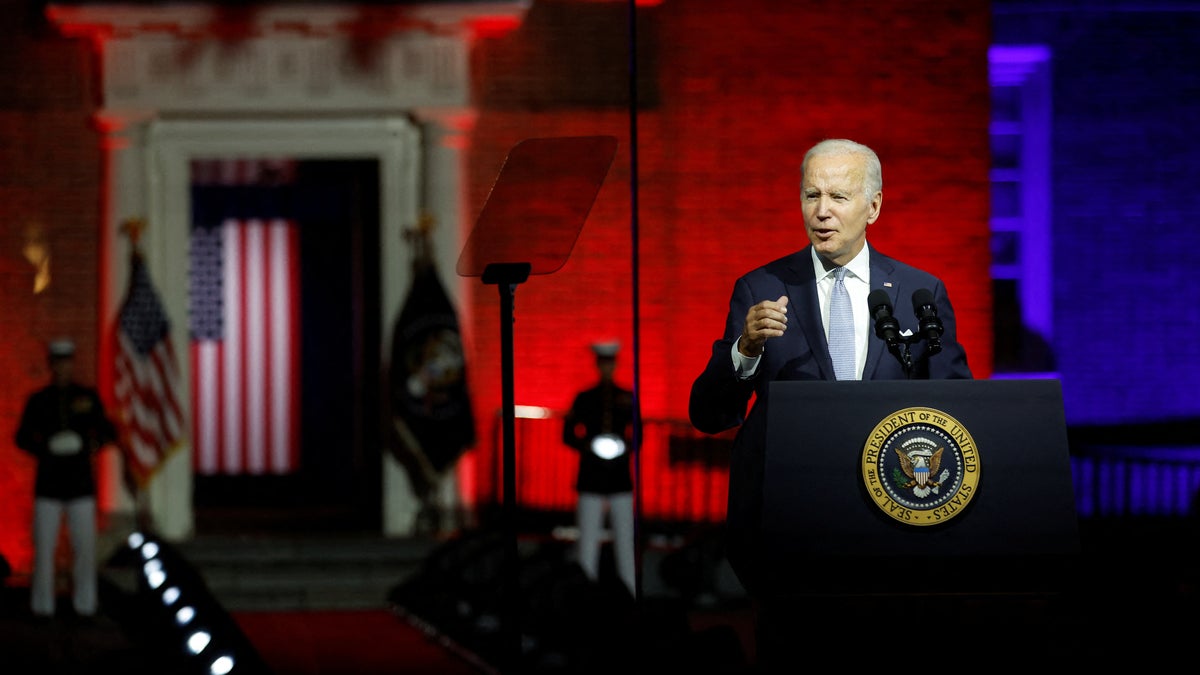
[(63, 425), (599, 426)]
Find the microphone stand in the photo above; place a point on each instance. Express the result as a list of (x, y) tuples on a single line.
[(899, 348), (900, 345)]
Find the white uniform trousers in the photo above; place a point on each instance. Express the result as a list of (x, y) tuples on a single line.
[(81, 527), (590, 516)]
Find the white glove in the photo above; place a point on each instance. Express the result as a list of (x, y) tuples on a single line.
[(65, 443), (608, 446)]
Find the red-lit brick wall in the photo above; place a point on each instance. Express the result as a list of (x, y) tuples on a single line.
[(740, 90), (49, 203), (732, 94)]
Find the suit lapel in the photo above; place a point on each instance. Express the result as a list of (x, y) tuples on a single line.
[(882, 271), (802, 294)]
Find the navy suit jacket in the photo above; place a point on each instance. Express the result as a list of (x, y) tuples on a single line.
[(719, 399)]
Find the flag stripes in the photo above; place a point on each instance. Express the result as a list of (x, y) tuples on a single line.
[(245, 350), (146, 379)]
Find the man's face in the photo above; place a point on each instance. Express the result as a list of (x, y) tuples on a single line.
[(836, 212), (606, 367), (61, 368)]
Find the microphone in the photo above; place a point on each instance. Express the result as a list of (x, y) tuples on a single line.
[(886, 326), (930, 324)]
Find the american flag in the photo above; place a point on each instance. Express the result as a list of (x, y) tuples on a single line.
[(146, 379), (245, 346)]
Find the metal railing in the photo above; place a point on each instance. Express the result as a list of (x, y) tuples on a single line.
[(683, 474)]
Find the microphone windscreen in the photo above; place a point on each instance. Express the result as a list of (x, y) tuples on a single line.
[(923, 297), (877, 299)]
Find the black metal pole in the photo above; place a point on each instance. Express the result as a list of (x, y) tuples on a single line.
[(636, 281), (507, 276), (508, 617)]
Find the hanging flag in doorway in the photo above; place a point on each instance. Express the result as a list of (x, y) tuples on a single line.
[(245, 351), (146, 378), (431, 409), (244, 310)]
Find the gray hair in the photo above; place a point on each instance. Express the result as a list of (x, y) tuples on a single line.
[(872, 182)]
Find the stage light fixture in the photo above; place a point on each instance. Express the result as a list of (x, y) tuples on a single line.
[(155, 576), (221, 665), (206, 636), (197, 641), (149, 550)]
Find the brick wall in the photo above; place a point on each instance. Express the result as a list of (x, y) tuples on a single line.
[(49, 202), (738, 91), (732, 93), (1126, 99)]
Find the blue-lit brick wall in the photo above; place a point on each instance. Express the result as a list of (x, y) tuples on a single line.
[(1126, 216)]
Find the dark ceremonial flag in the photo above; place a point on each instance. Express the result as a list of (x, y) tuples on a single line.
[(431, 408)]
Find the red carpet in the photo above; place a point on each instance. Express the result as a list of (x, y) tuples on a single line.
[(350, 642)]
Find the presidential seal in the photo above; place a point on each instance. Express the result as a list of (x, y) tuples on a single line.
[(920, 466)]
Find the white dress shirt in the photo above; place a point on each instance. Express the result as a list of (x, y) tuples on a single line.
[(858, 283)]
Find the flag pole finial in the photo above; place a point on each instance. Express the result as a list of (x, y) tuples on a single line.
[(133, 228), (418, 236), (422, 229), (425, 222)]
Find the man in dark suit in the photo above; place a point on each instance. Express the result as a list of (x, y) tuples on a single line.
[(778, 327), (63, 426), (599, 426)]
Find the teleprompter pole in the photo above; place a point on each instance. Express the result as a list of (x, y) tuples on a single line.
[(507, 276)]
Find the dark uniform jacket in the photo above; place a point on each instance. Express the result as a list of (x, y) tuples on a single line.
[(53, 409), (605, 408)]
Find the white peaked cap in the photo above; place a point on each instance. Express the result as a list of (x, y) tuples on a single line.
[(607, 349), (61, 347)]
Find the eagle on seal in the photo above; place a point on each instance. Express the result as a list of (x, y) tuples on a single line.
[(920, 465)]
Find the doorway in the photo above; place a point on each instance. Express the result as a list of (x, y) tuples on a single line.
[(334, 480)]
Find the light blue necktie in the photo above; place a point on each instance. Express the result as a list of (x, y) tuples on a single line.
[(841, 329)]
